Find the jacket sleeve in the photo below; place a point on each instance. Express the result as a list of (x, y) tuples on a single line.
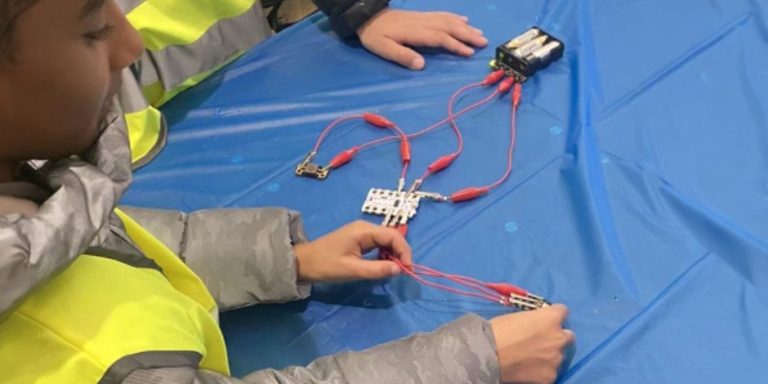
[(346, 16), (185, 44), (244, 256), (462, 352)]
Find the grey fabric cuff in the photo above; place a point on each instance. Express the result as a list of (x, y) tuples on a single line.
[(167, 226), (244, 256), (463, 351)]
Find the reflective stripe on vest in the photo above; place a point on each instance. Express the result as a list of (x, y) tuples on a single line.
[(186, 42), (99, 317)]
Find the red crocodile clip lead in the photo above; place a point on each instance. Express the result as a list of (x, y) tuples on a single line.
[(377, 120)]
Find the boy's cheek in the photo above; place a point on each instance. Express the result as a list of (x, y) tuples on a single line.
[(56, 128)]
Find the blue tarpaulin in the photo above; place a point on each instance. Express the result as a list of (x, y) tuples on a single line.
[(639, 196)]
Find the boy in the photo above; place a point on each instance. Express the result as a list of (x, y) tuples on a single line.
[(89, 295)]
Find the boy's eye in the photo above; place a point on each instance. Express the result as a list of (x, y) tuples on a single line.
[(100, 34)]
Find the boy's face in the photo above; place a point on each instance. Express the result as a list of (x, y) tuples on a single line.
[(57, 88)]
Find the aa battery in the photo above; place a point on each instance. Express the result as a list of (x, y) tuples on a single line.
[(530, 47), (543, 53), (527, 36)]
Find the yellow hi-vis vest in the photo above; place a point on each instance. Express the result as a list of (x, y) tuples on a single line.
[(100, 318), (186, 41)]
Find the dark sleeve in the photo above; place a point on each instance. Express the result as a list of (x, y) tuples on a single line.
[(346, 16)]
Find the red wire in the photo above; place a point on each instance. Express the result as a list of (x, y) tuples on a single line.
[(424, 131), (495, 299), (418, 278), (486, 292), (512, 142), (452, 119), (463, 280), (432, 127), (404, 172), (329, 127), (481, 289), (401, 134)]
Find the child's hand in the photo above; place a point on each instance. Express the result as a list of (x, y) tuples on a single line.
[(337, 256), (390, 32), (530, 344)]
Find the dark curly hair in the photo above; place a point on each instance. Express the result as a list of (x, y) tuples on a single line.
[(10, 10)]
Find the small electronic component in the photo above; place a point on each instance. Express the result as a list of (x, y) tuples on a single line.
[(524, 55), (309, 169), (397, 207)]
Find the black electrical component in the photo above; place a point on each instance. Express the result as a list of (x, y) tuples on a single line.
[(309, 169), (524, 55)]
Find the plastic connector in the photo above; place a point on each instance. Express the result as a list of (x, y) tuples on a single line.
[(405, 151), (469, 194), (506, 85), (517, 94), (343, 158), (377, 120), (507, 289), (442, 163), (493, 77)]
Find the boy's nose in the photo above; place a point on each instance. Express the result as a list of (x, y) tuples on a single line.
[(126, 45)]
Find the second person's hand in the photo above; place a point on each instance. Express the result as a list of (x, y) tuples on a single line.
[(391, 33)]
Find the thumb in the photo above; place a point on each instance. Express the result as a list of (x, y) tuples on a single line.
[(373, 269), (394, 51)]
